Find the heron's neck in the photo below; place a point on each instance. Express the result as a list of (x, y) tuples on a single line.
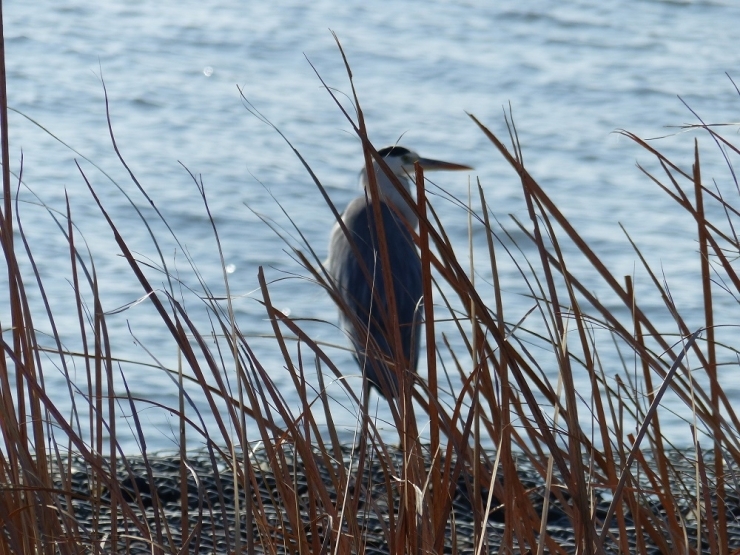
[(390, 195)]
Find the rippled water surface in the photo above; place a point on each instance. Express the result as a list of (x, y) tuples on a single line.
[(572, 74)]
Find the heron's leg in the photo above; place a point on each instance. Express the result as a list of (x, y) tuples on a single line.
[(365, 398), (364, 432), (365, 414)]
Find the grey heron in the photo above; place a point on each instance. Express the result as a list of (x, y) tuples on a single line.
[(355, 266)]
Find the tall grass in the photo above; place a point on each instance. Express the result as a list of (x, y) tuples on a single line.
[(572, 471)]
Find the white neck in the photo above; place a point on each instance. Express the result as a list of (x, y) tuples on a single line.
[(389, 194)]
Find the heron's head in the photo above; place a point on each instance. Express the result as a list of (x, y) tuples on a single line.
[(401, 161)]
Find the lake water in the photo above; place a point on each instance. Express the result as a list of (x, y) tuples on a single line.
[(573, 73)]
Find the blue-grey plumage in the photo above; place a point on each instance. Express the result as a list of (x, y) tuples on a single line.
[(354, 264), (364, 293)]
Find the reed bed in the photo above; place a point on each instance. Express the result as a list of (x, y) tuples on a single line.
[(571, 472)]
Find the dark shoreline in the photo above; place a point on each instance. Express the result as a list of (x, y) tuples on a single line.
[(211, 503)]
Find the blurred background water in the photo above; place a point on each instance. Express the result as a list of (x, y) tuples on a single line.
[(573, 72)]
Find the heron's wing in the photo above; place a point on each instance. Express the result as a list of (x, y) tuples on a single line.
[(355, 265)]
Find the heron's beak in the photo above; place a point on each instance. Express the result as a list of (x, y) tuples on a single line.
[(432, 165)]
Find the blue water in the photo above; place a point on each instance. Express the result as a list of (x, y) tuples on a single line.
[(573, 74)]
